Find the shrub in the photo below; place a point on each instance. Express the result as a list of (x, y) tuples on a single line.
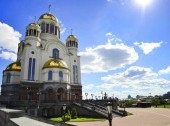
[(73, 113), (124, 112), (65, 118)]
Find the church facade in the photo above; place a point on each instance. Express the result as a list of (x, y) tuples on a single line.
[(46, 70)]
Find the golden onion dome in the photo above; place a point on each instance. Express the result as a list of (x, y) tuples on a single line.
[(48, 16), (33, 25), (55, 63), (16, 66), (71, 38)]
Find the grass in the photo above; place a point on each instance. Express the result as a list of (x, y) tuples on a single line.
[(79, 119), (128, 114), (162, 106)]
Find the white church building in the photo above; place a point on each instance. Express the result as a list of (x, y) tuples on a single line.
[(47, 70)]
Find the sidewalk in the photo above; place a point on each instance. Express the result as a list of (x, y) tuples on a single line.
[(140, 117)]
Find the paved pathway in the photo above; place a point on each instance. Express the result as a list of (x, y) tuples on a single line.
[(140, 117)]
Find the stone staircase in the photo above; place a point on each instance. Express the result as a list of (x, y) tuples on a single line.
[(96, 109)]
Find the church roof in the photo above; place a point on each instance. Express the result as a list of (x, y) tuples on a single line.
[(71, 38), (34, 25), (16, 66), (55, 63), (48, 16)]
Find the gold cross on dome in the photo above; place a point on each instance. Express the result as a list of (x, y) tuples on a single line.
[(71, 31), (49, 8), (34, 19)]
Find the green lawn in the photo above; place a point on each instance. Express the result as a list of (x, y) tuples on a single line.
[(128, 114), (162, 106), (79, 119)]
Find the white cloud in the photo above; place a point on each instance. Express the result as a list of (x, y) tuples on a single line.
[(108, 34), (134, 81), (137, 80), (122, 2), (165, 71), (148, 47), (112, 38), (103, 58), (63, 28), (9, 38), (8, 55)]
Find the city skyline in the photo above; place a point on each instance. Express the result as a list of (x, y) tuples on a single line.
[(123, 45)]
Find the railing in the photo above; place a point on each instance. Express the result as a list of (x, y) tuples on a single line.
[(100, 106), (92, 108)]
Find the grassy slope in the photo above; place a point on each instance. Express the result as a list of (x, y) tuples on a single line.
[(80, 119), (162, 106)]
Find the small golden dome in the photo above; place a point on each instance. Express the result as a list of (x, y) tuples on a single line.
[(55, 63), (16, 66), (47, 16), (71, 38), (33, 25)]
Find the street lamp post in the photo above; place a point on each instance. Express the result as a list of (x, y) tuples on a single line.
[(38, 101), (64, 109), (102, 94), (28, 98), (38, 93), (124, 105), (92, 96), (105, 96), (109, 110), (86, 95)]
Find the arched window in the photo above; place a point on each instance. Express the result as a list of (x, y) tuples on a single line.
[(55, 30), (50, 75), (58, 33), (55, 53), (52, 28), (31, 68), (47, 28), (60, 75), (35, 32), (43, 27), (30, 33), (8, 79)]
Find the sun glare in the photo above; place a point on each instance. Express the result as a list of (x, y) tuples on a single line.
[(143, 3)]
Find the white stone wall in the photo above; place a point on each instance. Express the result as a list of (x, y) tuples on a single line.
[(55, 78), (27, 53), (15, 77), (74, 60)]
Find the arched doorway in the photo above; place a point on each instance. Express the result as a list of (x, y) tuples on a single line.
[(50, 95), (60, 94)]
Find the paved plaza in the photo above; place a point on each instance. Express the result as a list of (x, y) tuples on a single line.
[(140, 117)]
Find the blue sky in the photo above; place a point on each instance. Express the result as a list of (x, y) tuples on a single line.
[(124, 46)]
